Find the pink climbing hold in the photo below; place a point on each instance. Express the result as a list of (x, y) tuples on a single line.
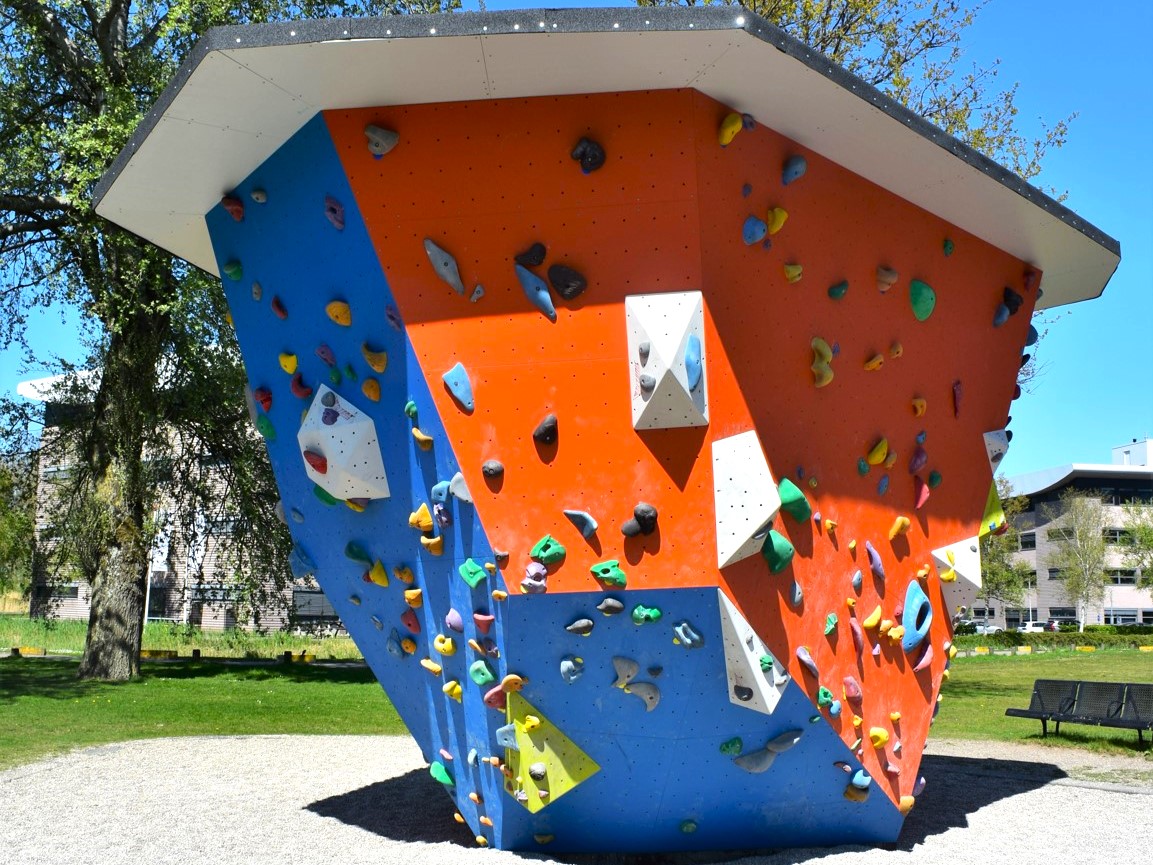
[(483, 622), (926, 658), (858, 636), (853, 693), (334, 211), (920, 492), (957, 393), (496, 698), (409, 620)]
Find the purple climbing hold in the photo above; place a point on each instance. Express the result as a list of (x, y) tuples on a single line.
[(807, 662), (334, 212), (329, 416), (746, 190), (393, 316), (325, 354), (590, 155), (535, 579), (454, 621), (875, 564), (918, 460), (441, 515)]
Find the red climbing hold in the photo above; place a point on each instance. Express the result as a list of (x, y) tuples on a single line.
[(317, 460), (263, 396), (279, 308), (483, 622), (234, 206), (299, 388)]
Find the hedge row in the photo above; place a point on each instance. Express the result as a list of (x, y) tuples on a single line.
[(1009, 639)]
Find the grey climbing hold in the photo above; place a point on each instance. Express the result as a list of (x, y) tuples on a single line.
[(492, 468), (857, 580), (506, 737), (685, 635), (571, 668), (581, 627), (459, 488), (611, 606), (648, 692), (566, 281), (297, 516), (742, 693), (590, 154), (537, 771), (458, 384), (444, 265), (584, 522), (300, 563), (643, 352), (546, 431), (756, 762), (626, 670), (380, 140), (259, 196), (796, 594), (1012, 300), (647, 382), (392, 644), (536, 290), (531, 257), (783, 742), (1001, 315), (477, 293), (644, 521)]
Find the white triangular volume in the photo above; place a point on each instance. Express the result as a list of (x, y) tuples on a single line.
[(959, 569), (346, 438), (661, 327), (745, 496), (996, 446), (743, 652)]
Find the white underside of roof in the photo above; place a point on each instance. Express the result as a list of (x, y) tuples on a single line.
[(239, 106), (1042, 480)]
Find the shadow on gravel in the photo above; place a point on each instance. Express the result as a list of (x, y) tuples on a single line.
[(957, 787)]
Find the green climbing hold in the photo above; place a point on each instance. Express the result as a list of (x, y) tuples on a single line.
[(265, 428), (643, 614), (481, 673), (948, 246), (410, 409), (732, 747), (922, 298), (325, 496), (777, 551), (793, 501), (548, 550), (815, 719), (824, 697), (688, 826), (830, 623), (934, 479), (233, 269), (349, 372), (766, 663), (836, 292), (609, 572), (358, 553), (472, 573), (440, 773), (334, 376), (863, 467)]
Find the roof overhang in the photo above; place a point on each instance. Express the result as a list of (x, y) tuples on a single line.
[(244, 91), (1035, 483)]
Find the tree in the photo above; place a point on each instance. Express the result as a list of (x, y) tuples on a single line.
[(1003, 577), (76, 79), (1138, 541), (1077, 548), (17, 525)]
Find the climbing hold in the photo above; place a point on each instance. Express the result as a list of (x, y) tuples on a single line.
[(685, 635), (536, 290), (584, 522), (626, 670), (794, 169), (370, 387), (483, 621), (643, 522), (1012, 300), (926, 659), (919, 786), (444, 645), (358, 553), (776, 218), (916, 617), (278, 307), (288, 363), (896, 349), (878, 736), (920, 493), (233, 206), (899, 527), (793, 272), (434, 546), (546, 431), (258, 195), (873, 619), (947, 246), (404, 574), (822, 362), (856, 580), (590, 154), (862, 466), (824, 697), (531, 257), (611, 606), (883, 485), (495, 698), (806, 659), (378, 360), (454, 621), (878, 452), (300, 563), (299, 388), (566, 281), (836, 292), (754, 230), (853, 693), (581, 627), (609, 572), (440, 773), (830, 623), (645, 615), (571, 668), (934, 479), (886, 277), (858, 636), (918, 459), (777, 551), (548, 550), (444, 265), (919, 406), (756, 762), (421, 518), (324, 495), (340, 312), (732, 747), (413, 597), (392, 316), (958, 392), (922, 298), (492, 469), (830, 525), (875, 564), (537, 771), (334, 212), (513, 682), (380, 140), (1031, 336), (693, 365), (439, 492), (1001, 315), (793, 501), (796, 594), (472, 573), (875, 362), (432, 666), (235, 270), (423, 441), (730, 126)]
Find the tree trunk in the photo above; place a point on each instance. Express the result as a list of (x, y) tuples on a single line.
[(116, 620)]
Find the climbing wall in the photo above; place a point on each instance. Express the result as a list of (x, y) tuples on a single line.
[(682, 441)]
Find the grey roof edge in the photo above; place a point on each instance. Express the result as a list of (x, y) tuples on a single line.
[(1043, 480), (634, 19)]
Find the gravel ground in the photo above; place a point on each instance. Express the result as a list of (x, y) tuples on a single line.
[(272, 800)]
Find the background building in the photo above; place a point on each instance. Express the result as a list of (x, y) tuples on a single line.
[(1128, 478)]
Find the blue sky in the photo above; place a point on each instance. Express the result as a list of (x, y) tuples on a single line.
[(1097, 387)]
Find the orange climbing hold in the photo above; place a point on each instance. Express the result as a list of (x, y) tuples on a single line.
[(340, 312), (378, 360), (370, 387)]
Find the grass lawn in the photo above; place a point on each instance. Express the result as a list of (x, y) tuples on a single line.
[(45, 710), (981, 688)]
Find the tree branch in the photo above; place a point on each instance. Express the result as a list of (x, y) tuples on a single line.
[(44, 22), (28, 205)]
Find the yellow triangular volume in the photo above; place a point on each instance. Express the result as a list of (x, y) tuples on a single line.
[(994, 517), (540, 742)]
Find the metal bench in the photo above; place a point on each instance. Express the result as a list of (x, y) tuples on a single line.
[(1101, 704)]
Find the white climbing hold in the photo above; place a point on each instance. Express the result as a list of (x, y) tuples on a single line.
[(459, 488)]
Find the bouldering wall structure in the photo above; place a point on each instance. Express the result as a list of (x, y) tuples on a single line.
[(642, 450)]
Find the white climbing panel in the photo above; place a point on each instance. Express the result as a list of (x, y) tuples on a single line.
[(996, 446), (349, 444), (745, 496), (962, 560), (667, 324), (743, 653)]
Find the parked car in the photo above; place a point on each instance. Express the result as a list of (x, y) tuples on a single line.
[(990, 628), (975, 626), (1062, 624), (1030, 628)]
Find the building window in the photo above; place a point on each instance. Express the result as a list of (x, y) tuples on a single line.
[(59, 591), (1147, 617), (1115, 616), (1062, 612), (1027, 541), (1122, 576), (1015, 615), (1064, 534), (312, 607), (1115, 537), (1030, 582), (1054, 573), (984, 613)]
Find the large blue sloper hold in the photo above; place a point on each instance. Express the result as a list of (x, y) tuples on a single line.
[(916, 618), (693, 361), (536, 290), (459, 385)]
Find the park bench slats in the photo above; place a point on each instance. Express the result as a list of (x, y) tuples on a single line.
[(1103, 704)]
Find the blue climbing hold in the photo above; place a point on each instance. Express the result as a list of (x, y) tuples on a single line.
[(693, 366), (685, 635), (746, 190), (883, 485), (754, 230), (1032, 336), (857, 580), (571, 668), (536, 290), (458, 384), (300, 563), (439, 492), (794, 169), (506, 737), (584, 522), (916, 618), (1001, 315), (861, 779)]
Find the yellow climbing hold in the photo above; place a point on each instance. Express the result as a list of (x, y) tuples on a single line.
[(421, 518), (358, 507), (793, 273), (850, 602), (822, 360), (404, 574), (896, 633), (424, 441), (776, 219), (994, 517), (431, 665), (414, 598), (878, 452), (906, 804), (858, 720), (896, 350), (856, 794), (499, 595), (378, 360), (530, 723), (408, 644), (894, 717), (370, 387), (879, 736), (830, 525), (923, 572), (730, 126), (444, 645), (435, 546), (512, 682), (853, 545), (875, 362), (873, 619), (899, 527), (567, 764), (340, 312), (288, 363), (453, 690), (458, 817), (919, 406), (378, 574), (481, 841)]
